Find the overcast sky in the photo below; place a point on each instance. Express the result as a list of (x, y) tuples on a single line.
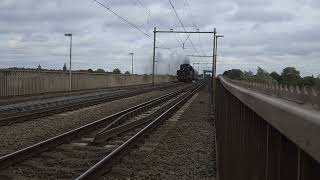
[(271, 34)]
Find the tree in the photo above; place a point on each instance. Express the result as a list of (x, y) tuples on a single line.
[(247, 75), (233, 74), (116, 71), (317, 83), (263, 76), (100, 71), (90, 70), (127, 72), (275, 76), (308, 81), (290, 76)]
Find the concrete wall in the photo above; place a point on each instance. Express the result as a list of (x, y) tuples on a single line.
[(14, 82)]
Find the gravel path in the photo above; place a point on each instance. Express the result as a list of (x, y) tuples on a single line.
[(181, 148), (21, 135)]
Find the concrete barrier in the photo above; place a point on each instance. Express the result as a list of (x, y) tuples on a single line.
[(24, 82)]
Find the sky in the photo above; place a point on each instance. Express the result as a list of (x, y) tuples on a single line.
[(272, 34)]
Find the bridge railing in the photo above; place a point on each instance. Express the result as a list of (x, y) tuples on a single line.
[(262, 137), (294, 93)]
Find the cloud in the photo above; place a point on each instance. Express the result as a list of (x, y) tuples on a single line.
[(267, 33), (261, 16)]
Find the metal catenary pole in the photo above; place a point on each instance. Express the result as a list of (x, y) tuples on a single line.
[(70, 63), (213, 61), (188, 32), (154, 53)]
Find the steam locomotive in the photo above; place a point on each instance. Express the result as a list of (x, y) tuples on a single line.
[(187, 73)]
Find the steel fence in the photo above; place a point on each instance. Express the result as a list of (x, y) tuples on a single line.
[(260, 137)]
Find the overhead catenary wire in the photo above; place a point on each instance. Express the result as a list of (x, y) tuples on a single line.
[(107, 7), (146, 10), (181, 23), (186, 3), (151, 16), (122, 18)]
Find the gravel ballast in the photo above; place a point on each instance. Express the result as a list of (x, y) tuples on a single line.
[(18, 136), (183, 147)]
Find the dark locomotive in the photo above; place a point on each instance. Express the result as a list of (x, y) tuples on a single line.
[(187, 73)]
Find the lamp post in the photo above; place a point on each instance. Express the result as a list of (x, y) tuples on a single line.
[(70, 79), (215, 61), (131, 62)]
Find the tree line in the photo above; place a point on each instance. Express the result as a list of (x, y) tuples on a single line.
[(114, 71), (65, 69), (289, 76)]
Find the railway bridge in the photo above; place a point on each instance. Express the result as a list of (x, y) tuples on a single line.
[(266, 131), (239, 130)]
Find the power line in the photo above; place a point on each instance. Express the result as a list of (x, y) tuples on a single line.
[(127, 21), (201, 47), (186, 3), (151, 16), (146, 10), (122, 18), (175, 12)]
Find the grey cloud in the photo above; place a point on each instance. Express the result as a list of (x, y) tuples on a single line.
[(261, 16), (257, 33)]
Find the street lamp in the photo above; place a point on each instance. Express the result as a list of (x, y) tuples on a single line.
[(215, 61), (70, 80), (131, 62)]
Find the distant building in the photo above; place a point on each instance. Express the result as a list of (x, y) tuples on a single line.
[(64, 67), (39, 67)]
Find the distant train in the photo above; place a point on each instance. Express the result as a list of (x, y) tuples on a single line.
[(187, 73)]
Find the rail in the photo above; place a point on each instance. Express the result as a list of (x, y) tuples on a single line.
[(264, 137), (17, 83)]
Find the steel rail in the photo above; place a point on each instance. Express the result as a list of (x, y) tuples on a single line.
[(9, 100), (116, 123), (107, 162), (297, 123), (25, 153), (112, 130), (74, 105)]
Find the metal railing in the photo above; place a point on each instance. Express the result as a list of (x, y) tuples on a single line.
[(302, 95), (262, 137)]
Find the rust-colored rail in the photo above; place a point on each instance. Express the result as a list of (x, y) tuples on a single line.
[(107, 162), (23, 154), (37, 113)]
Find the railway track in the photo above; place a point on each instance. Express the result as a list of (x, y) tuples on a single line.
[(89, 151), (42, 96), (14, 113)]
